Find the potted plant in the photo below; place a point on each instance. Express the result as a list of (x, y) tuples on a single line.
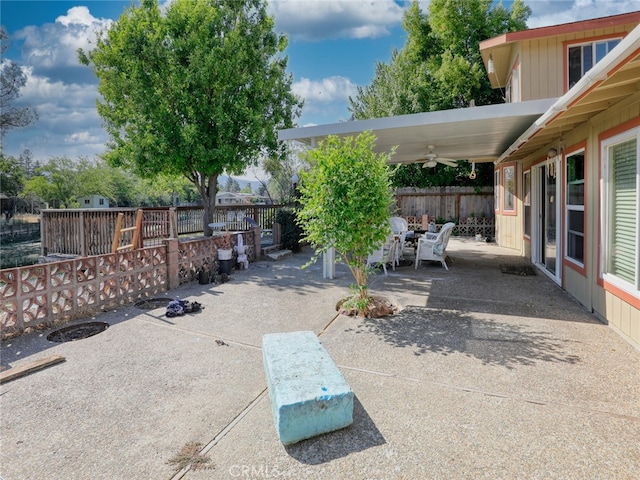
[(225, 254), (225, 251)]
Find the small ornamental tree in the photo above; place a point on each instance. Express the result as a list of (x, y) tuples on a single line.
[(345, 201)]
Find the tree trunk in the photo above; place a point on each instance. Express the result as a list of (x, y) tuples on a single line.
[(209, 201)]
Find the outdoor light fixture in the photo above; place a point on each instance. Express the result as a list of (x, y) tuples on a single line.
[(490, 65), (491, 70), (561, 145), (552, 152)]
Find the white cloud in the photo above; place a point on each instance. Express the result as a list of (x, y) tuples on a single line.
[(68, 123), (77, 16), (326, 100), (40, 90), (552, 12), (81, 138), (321, 19), (331, 89), (55, 45)]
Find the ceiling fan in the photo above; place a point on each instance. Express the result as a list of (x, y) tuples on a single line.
[(432, 159)]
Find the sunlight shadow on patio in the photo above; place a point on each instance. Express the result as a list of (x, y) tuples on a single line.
[(492, 341), (359, 436)]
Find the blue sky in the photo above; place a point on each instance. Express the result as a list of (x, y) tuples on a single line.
[(333, 48)]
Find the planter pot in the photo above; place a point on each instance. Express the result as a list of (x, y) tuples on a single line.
[(203, 277), (225, 254), (225, 266)]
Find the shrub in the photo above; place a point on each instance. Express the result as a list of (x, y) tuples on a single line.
[(291, 232)]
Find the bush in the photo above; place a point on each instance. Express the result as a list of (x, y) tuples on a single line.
[(291, 232)]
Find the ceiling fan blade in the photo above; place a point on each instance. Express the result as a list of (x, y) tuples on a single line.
[(448, 161)]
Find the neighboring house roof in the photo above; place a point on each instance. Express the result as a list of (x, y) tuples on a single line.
[(612, 80), (475, 133)]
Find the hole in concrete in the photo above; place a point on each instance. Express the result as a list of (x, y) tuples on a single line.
[(152, 303), (77, 332)]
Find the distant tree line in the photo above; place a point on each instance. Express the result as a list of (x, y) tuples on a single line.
[(60, 181)]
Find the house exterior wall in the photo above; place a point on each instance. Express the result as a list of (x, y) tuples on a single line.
[(541, 69), (584, 283), (93, 201), (509, 217), (543, 62), (620, 311)]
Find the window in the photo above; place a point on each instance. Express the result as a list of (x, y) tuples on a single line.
[(574, 205), (509, 189), (101, 201), (496, 190), (87, 201), (621, 202), (581, 58), (526, 201)]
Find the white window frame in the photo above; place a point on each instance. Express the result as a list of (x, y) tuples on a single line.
[(574, 208), (624, 285), (509, 189), (526, 204), (594, 60), (496, 190)]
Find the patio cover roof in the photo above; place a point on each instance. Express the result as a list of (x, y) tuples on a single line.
[(474, 133)]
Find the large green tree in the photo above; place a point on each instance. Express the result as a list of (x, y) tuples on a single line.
[(438, 68), (61, 181), (283, 173), (199, 90), (12, 79), (346, 198), (57, 182), (12, 177)]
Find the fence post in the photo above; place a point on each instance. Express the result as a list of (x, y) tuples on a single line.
[(43, 235), (277, 233), (83, 240), (173, 266), (257, 244)]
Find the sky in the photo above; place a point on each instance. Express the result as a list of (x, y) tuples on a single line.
[(333, 48)]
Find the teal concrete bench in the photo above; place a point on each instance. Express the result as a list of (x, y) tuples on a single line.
[(309, 395)]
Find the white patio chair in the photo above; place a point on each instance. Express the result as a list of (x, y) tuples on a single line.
[(400, 228), (385, 254), (435, 248)]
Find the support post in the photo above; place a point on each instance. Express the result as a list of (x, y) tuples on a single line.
[(329, 263), (173, 267)]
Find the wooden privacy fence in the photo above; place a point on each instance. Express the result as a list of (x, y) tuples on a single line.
[(86, 232), (445, 203)]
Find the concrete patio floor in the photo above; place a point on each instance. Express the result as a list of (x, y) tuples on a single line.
[(480, 375)]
